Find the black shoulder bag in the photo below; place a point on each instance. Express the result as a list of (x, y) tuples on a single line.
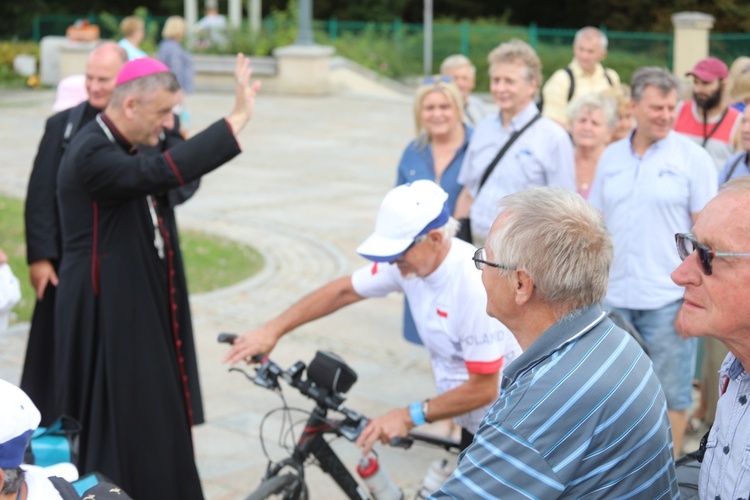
[(464, 232)]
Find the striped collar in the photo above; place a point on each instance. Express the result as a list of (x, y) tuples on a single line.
[(568, 329)]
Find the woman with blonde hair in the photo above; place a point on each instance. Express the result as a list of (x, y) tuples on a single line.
[(437, 152), (133, 30)]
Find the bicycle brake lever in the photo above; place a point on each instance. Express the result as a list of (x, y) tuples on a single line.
[(402, 442)]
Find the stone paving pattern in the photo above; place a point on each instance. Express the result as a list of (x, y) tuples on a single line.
[(305, 193)]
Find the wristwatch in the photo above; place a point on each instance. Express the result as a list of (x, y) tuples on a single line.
[(425, 409)]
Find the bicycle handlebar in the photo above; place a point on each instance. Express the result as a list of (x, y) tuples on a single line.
[(267, 376), (268, 373)]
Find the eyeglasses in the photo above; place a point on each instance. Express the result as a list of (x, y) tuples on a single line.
[(480, 260), (418, 239), (429, 80), (687, 244)]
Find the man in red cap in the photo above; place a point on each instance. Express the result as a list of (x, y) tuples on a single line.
[(121, 364), (707, 117)]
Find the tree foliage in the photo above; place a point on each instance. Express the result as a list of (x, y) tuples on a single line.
[(732, 16)]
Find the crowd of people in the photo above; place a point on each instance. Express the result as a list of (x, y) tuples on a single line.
[(512, 235)]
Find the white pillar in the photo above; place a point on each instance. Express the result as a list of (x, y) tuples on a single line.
[(235, 13), (691, 30), (427, 31), (191, 12), (255, 14)]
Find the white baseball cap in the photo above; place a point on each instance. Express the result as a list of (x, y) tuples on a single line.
[(407, 211), (19, 418)]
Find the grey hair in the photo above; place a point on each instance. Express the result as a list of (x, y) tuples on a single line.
[(660, 78), (145, 85), (561, 241), (13, 480), (592, 102), (590, 31), (518, 50), (448, 230), (456, 61), (741, 184)]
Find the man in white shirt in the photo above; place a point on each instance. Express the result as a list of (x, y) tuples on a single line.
[(541, 153), (413, 250)]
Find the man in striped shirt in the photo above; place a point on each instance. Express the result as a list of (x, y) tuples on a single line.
[(581, 413)]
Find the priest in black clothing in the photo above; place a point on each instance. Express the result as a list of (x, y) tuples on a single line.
[(119, 358), (43, 244)]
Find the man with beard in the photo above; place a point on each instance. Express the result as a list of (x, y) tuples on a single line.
[(707, 118)]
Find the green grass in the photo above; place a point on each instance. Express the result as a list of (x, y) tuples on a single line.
[(210, 262)]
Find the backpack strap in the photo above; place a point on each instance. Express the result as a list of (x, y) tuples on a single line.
[(609, 79), (572, 89), (66, 490), (74, 121)]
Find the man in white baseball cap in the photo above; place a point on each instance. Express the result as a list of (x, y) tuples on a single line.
[(19, 418), (414, 251)]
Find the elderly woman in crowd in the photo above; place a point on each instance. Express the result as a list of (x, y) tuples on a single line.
[(438, 150), (592, 119), (179, 61)]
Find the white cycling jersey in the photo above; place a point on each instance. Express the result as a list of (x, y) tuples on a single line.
[(449, 310)]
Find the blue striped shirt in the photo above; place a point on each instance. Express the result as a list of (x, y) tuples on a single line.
[(581, 414)]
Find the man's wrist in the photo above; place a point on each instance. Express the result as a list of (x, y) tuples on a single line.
[(418, 412)]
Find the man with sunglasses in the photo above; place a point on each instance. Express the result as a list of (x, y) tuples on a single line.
[(715, 274), (582, 413), (413, 251), (649, 186)]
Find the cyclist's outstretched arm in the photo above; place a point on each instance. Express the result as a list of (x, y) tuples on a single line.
[(322, 302)]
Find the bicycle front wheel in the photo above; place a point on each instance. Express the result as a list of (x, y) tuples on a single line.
[(285, 486)]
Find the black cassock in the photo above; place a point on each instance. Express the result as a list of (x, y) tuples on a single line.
[(120, 363), (43, 243)]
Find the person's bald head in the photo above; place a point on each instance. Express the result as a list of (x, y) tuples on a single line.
[(102, 67)]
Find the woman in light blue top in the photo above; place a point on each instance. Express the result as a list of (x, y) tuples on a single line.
[(133, 30), (438, 151)]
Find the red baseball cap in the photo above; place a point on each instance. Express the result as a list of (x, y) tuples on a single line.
[(709, 69)]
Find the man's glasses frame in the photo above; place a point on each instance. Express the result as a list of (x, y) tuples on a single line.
[(480, 260), (706, 254)]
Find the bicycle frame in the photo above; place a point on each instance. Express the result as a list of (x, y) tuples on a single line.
[(312, 442)]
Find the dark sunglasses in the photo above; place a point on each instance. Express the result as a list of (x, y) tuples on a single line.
[(687, 244), (436, 79)]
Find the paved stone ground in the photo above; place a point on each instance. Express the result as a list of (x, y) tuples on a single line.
[(305, 193)]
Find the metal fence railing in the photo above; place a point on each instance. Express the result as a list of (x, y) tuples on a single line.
[(396, 48)]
